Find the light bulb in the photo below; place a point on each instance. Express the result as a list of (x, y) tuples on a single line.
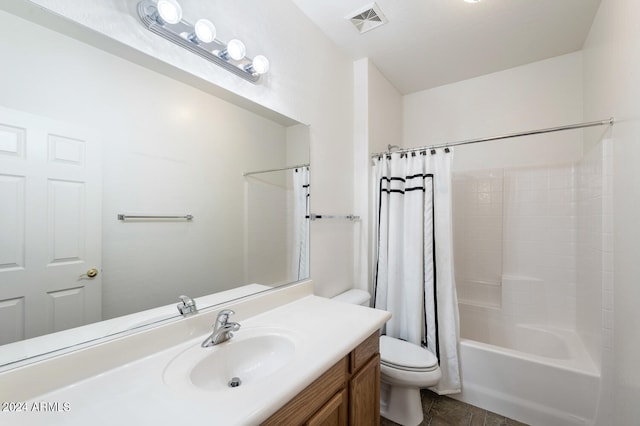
[(205, 30), (169, 11), (260, 65), (235, 49)]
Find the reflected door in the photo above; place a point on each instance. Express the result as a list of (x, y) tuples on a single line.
[(50, 226)]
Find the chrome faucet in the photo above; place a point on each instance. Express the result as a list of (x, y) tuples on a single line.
[(187, 306), (222, 330)]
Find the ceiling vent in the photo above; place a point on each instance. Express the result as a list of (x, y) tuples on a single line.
[(367, 18)]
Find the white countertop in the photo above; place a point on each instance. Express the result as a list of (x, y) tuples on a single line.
[(135, 393)]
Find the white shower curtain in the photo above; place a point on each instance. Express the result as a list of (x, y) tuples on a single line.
[(300, 252), (414, 270)]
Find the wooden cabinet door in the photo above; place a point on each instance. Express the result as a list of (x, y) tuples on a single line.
[(364, 394), (313, 398), (333, 413)]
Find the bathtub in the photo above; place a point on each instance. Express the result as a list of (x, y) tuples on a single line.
[(530, 373)]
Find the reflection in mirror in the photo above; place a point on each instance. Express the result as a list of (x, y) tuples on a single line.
[(272, 195), (86, 136)]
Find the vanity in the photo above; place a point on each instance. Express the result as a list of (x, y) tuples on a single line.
[(296, 359), (348, 393)]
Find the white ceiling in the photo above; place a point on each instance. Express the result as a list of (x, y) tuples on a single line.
[(428, 43)]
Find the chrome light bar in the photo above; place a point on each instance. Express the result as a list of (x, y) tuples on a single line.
[(183, 34)]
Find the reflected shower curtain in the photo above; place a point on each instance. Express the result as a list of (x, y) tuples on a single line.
[(300, 252), (414, 267)]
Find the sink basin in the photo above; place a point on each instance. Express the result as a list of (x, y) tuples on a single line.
[(250, 357)]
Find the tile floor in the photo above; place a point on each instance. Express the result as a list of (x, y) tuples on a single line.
[(445, 411)]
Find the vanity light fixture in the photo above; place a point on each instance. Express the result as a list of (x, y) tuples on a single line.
[(164, 18)]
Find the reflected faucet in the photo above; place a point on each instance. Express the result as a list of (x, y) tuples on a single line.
[(187, 306), (222, 330)]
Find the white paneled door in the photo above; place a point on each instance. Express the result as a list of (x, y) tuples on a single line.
[(50, 226)]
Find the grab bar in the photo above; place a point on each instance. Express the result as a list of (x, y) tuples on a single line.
[(127, 216)]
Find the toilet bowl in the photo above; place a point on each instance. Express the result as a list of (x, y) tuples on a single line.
[(405, 368)]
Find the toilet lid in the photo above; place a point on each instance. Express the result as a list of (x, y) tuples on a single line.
[(405, 355)]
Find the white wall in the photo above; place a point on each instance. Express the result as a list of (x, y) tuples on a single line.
[(385, 112), (266, 213), (297, 144), (539, 95), (378, 123), (310, 80), (612, 88)]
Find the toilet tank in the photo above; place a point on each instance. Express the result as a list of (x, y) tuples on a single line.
[(354, 296)]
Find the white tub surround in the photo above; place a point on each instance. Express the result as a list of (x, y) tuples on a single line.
[(535, 268), (126, 377), (533, 389), (529, 372)]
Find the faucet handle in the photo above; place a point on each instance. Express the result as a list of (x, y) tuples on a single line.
[(223, 316), (187, 306)]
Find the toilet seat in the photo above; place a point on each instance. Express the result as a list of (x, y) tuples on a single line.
[(405, 356)]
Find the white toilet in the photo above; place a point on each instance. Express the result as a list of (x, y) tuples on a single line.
[(405, 368)]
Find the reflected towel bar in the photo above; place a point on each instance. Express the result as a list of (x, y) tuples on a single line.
[(328, 216), (126, 216)]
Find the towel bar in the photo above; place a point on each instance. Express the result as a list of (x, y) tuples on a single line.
[(328, 216), (127, 216)]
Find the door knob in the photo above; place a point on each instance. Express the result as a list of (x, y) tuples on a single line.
[(91, 273)]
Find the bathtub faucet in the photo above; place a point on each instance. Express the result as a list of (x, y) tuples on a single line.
[(222, 330)]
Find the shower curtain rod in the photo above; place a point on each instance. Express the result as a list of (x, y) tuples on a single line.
[(275, 170), (609, 122)]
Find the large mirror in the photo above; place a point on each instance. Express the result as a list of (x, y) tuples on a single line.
[(123, 189)]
